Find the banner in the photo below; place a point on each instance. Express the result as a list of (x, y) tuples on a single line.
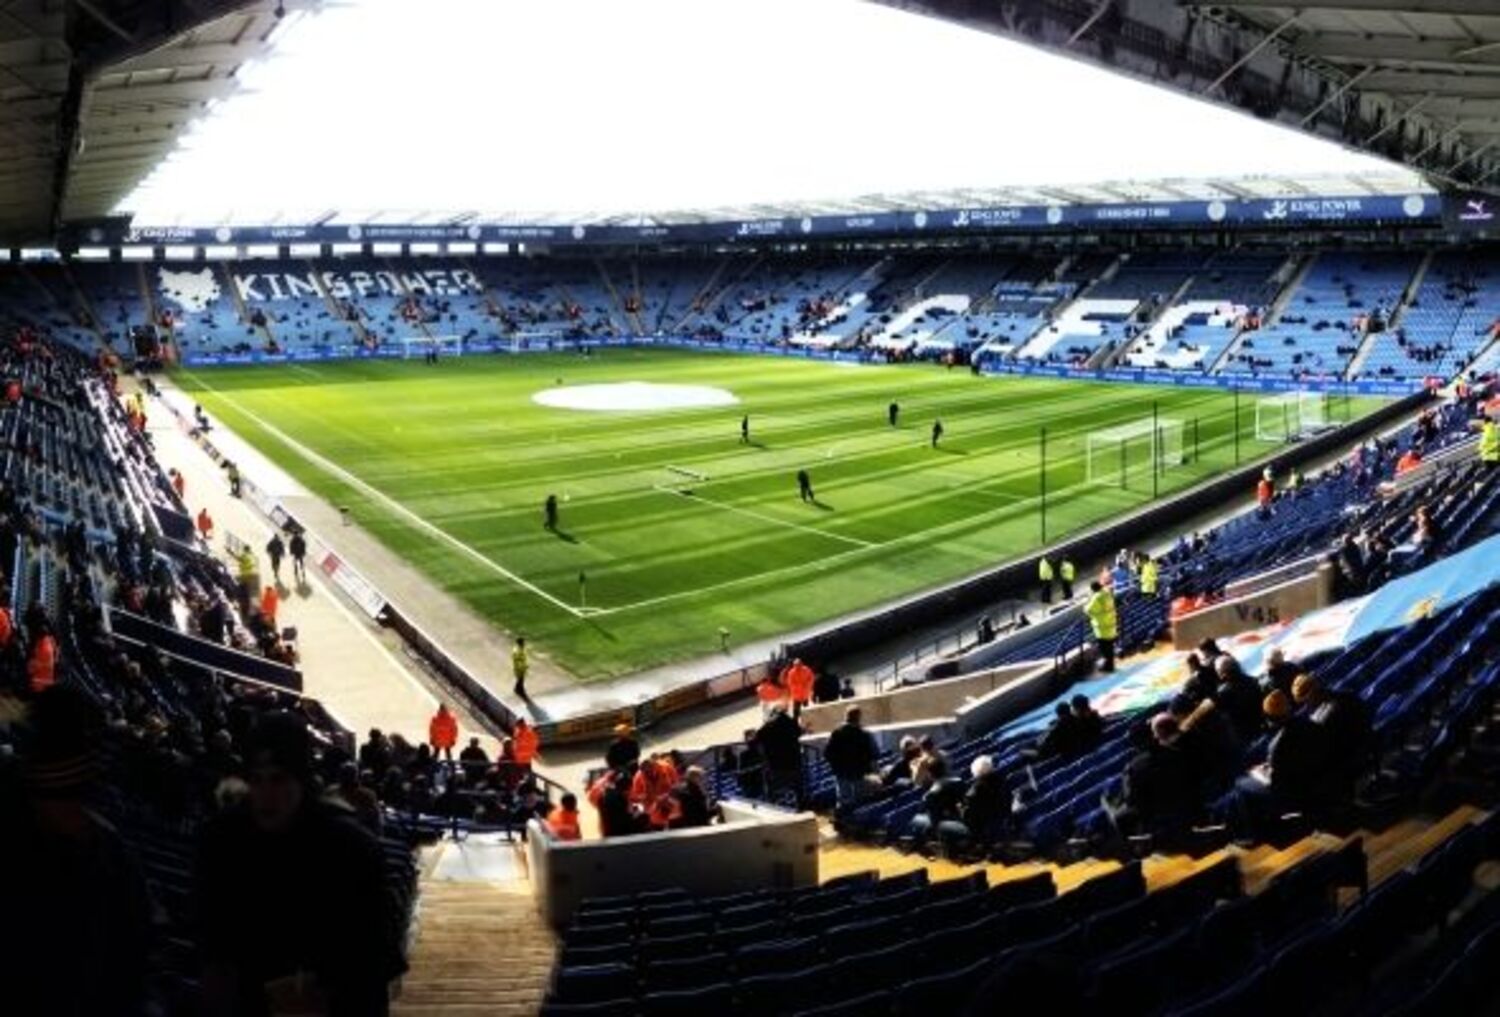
[(1399, 603), (1465, 209)]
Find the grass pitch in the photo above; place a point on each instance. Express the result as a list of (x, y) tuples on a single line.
[(450, 465)]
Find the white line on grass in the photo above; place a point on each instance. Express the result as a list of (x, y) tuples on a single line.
[(763, 517), (342, 474)]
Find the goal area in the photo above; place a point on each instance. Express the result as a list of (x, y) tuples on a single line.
[(1136, 449), (420, 346), (1291, 416)]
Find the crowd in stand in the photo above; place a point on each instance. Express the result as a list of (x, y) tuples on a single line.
[(647, 794)]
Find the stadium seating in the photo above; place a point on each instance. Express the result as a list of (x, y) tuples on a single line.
[(1321, 328), (1231, 313), (1449, 321)]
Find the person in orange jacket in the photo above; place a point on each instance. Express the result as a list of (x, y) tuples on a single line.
[(798, 679), (7, 625), (562, 821), (771, 694), (205, 524), (270, 600), (1265, 493), (442, 732), (651, 790), (41, 665), (525, 742)]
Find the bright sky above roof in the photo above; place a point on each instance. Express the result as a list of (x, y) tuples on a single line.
[(527, 107)]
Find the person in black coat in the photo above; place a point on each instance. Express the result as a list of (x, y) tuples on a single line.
[(1292, 775), (288, 884), (851, 753), (780, 742), (1239, 697)]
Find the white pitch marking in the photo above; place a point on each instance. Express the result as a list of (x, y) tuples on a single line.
[(338, 471), (763, 517)]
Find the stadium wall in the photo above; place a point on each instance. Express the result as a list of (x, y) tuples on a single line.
[(758, 845)]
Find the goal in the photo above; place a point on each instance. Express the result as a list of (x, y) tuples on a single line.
[(446, 345), (1291, 416), (1118, 454)]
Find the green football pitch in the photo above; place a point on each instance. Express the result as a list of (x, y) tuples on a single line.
[(676, 527)]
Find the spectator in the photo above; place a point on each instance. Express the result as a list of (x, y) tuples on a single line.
[(1239, 697), (610, 794), (691, 802), (624, 750), (1158, 789), (939, 813), (1100, 609), (899, 774), (1344, 720), (442, 732), (205, 525), (1209, 741), (77, 931), (986, 802), (474, 760), (358, 799), (851, 754), (563, 821), (287, 886), (375, 753), (931, 764), (1062, 738), (826, 688), (1090, 725), (1280, 673), (1290, 777), (780, 742)]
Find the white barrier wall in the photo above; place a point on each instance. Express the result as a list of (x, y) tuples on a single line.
[(758, 846), (935, 699)]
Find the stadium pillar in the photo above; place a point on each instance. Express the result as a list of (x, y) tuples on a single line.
[(1042, 478)]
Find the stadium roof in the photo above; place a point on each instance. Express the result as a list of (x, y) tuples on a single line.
[(1415, 81), (94, 93)]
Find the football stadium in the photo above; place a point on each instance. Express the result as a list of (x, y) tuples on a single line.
[(855, 507)]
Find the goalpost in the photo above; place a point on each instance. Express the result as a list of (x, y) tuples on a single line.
[(445, 345), (1147, 444), (1284, 418)]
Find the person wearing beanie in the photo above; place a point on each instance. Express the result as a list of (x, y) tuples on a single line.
[(78, 930), (291, 885)]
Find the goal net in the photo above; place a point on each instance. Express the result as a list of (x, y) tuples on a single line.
[(1289, 417), (444, 345), (1128, 452)]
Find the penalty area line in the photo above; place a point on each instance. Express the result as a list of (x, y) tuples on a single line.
[(401, 510), (855, 541)]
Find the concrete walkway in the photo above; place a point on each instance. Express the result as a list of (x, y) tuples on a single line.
[(347, 663)]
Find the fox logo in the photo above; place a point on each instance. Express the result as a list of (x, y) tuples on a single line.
[(191, 291)]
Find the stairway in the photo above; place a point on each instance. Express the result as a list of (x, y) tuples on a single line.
[(480, 948)]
